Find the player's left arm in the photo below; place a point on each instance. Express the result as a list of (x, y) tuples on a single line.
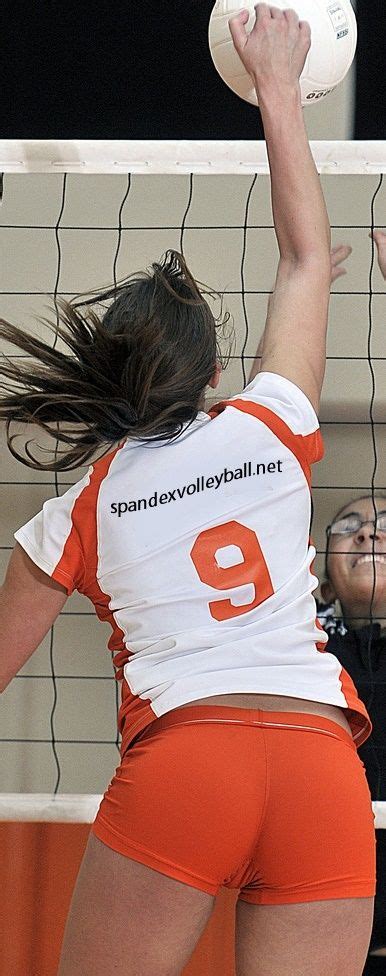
[(338, 254), (30, 602)]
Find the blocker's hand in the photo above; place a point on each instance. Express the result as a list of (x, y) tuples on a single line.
[(338, 254), (343, 251), (380, 239), (275, 51)]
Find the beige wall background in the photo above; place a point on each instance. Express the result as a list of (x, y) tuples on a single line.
[(86, 691)]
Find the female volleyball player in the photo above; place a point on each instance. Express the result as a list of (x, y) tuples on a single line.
[(239, 731)]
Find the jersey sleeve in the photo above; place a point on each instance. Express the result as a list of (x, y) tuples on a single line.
[(52, 540), (288, 402)]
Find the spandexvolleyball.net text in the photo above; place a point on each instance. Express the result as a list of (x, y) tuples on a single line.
[(248, 470)]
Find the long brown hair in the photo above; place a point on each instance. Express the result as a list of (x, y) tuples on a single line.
[(140, 371)]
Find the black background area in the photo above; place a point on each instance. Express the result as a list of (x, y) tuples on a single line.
[(142, 70)]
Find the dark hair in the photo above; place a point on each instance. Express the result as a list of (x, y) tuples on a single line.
[(140, 371), (377, 494)]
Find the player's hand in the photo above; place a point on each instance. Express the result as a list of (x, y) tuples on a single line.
[(380, 239), (275, 51)]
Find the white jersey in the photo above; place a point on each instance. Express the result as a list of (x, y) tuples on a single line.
[(198, 554)]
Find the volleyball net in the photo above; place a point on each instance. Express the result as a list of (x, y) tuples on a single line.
[(77, 216)]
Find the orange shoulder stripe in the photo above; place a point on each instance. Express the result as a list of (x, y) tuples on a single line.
[(301, 445)]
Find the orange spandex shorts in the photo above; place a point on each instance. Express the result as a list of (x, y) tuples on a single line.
[(274, 804)]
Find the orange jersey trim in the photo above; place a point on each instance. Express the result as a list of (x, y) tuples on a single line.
[(307, 448)]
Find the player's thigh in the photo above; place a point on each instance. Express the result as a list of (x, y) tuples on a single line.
[(127, 919), (325, 938)]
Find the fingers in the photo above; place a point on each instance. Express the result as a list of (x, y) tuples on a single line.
[(237, 23), (379, 237), (263, 10), (236, 26), (291, 15), (276, 14), (340, 253)]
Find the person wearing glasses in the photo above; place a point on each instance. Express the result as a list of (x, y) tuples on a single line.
[(355, 561), (353, 613)]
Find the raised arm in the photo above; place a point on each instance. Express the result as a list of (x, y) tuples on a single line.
[(274, 53)]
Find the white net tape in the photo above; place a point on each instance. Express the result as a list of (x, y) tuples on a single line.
[(82, 808)]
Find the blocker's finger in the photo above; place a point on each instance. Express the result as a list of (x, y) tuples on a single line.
[(341, 252), (379, 237)]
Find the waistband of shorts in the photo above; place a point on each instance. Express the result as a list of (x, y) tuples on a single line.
[(228, 715)]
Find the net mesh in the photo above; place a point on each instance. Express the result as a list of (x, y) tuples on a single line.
[(94, 223)]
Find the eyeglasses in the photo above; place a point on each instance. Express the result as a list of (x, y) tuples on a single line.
[(352, 523)]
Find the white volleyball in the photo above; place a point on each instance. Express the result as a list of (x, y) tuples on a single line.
[(333, 45)]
